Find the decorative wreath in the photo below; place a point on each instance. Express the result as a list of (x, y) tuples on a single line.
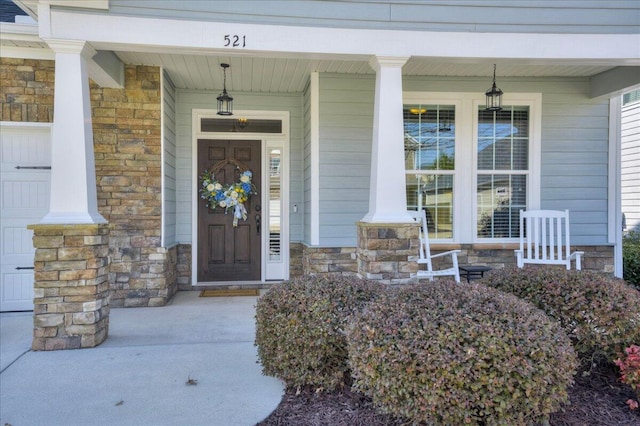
[(231, 196)]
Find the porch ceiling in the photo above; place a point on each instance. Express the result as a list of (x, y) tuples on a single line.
[(287, 74)]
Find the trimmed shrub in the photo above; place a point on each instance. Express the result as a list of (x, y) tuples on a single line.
[(599, 313), (299, 328), (631, 258), (456, 354)]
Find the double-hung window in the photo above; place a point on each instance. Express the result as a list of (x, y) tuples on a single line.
[(471, 170)]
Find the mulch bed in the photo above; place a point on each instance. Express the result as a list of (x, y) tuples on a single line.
[(597, 399)]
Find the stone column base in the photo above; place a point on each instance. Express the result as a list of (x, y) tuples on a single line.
[(383, 251), (71, 289)]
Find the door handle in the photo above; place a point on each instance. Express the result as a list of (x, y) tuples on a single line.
[(258, 224), (19, 268)]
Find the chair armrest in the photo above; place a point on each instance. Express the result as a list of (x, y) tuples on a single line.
[(446, 253)]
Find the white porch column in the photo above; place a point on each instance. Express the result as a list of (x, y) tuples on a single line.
[(73, 172), (387, 199)]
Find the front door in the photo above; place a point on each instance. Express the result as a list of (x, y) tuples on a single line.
[(227, 252)]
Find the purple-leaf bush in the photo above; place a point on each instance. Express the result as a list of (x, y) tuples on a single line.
[(299, 328), (600, 313), (447, 353)]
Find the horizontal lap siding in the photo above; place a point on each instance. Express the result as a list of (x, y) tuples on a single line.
[(192, 99), (519, 16), (575, 155), (631, 165), (169, 161), (346, 123)]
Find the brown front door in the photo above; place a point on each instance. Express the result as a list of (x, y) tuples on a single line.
[(225, 252)]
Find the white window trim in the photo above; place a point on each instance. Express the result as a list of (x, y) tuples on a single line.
[(465, 182)]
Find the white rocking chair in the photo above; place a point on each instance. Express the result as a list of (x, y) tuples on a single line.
[(425, 255), (547, 239)]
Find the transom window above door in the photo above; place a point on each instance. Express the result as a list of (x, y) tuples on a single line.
[(240, 125), (471, 170)]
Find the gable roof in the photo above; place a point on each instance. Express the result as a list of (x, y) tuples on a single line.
[(9, 11)]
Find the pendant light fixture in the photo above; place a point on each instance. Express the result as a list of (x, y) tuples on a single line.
[(225, 102), (494, 95)]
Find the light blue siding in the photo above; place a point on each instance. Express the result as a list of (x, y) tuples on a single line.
[(168, 161), (187, 100), (346, 132), (518, 16)]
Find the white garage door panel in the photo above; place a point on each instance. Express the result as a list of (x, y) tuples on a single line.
[(24, 145), (17, 243), (17, 289), (25, 153), (20, 193)]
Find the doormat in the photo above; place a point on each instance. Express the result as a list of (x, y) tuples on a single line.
[(227, 293)]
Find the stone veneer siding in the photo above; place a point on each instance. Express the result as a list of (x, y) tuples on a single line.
[(71, 288), (127, 144), (183, 267), (295, 259), (26, 90), (317, 260), (384, 250), (329, 261), (128, 149)]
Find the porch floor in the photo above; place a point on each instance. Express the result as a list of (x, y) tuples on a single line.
[(139, 374)]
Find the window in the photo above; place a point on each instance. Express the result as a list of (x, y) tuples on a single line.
[(471, 170), (503, 158), (429, 155), (275, 198)]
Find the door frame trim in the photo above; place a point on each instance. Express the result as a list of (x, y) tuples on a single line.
[(267, 140)]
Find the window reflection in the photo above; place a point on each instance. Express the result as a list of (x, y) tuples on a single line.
[(429, 148)]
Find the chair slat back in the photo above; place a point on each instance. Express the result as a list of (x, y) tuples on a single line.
[(545, 235)]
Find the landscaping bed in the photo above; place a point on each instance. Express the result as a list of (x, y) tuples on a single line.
[(597, 399), (534, 346)]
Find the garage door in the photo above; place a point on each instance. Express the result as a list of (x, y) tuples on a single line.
[(25, 163)]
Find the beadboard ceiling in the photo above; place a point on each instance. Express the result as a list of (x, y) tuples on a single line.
[(263, 74)]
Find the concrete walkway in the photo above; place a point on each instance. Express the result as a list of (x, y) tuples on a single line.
[(139, 375)]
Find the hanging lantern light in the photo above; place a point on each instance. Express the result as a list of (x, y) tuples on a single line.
[(225, 102), (494, 95)]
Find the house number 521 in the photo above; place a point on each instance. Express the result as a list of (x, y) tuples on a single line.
[(234, 40)]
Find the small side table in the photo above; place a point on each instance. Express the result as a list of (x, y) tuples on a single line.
[(473, 272)]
